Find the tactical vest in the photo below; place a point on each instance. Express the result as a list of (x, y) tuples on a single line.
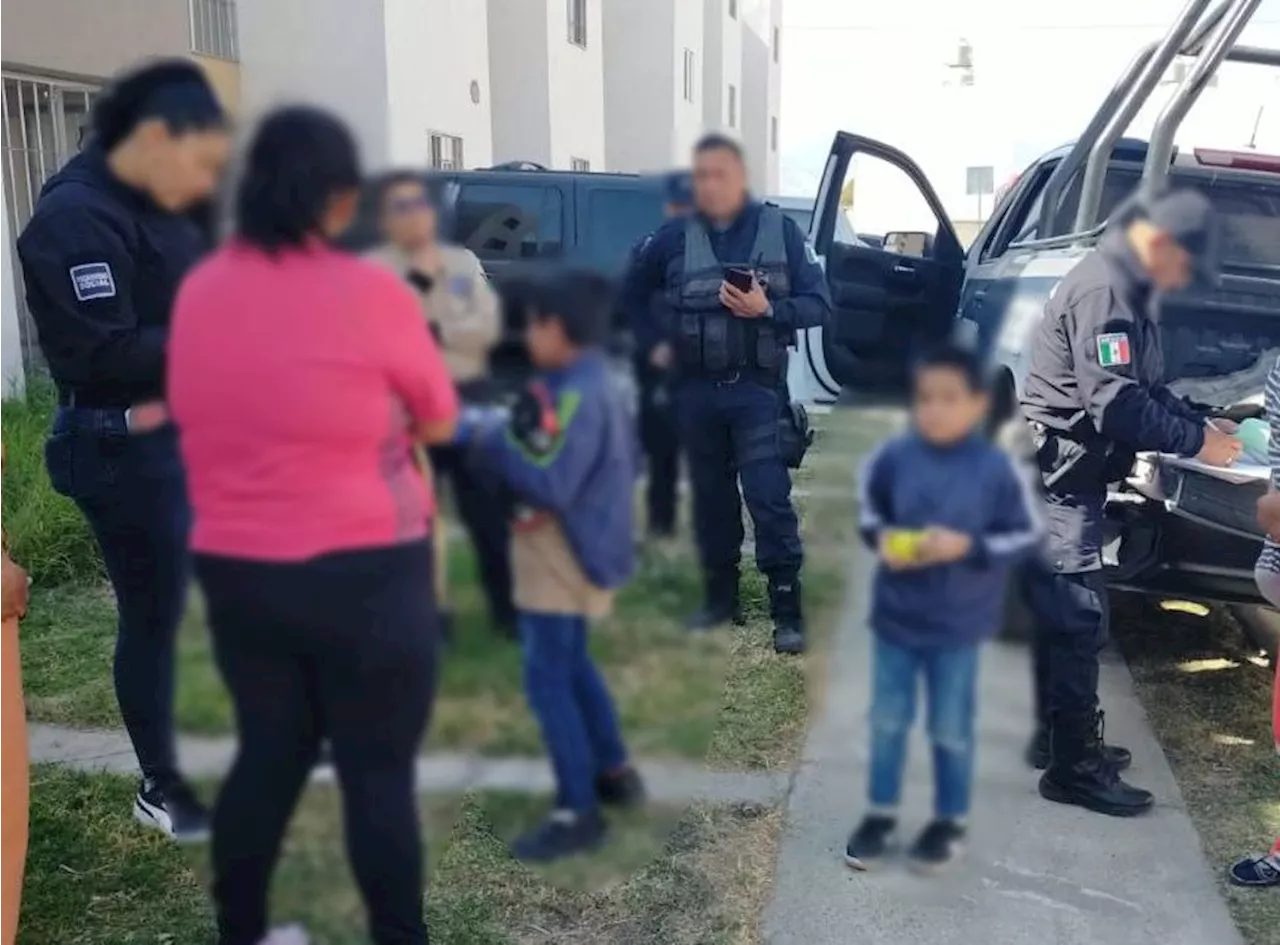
[(708, 337)]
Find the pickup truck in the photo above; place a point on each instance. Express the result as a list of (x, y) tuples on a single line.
[(1177, 534)]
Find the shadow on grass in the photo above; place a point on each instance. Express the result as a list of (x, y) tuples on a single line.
[(1209, 701)]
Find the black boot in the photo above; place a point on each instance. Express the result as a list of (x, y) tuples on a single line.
[(721, 604), (784, 608), (1079, 772), (1038, 751)]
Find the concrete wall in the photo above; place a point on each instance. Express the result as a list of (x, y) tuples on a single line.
[(722, 53), (761, 89), (224, 76), (317, 51), (643, 74), (575, 81), (94, 38), (435, 50), (14, 380), (687, 126), (518, 59)]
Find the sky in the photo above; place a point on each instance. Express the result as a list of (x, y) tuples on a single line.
[(879, 69)]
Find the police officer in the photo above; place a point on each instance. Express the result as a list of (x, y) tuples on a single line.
[(740, 282), (655, 372), (111, 238), (1093, 397)]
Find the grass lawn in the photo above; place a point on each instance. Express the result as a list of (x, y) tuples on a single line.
[(725, 697), (694, 877), (1209, 701)]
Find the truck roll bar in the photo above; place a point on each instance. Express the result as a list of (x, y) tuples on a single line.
[(1155, 172), (1179, 37)]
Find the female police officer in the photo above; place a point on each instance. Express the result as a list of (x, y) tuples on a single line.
[(102, 257)]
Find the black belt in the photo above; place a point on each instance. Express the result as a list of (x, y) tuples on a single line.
[(92, 400)]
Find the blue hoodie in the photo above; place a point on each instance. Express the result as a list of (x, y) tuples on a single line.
[(970, 487), (586, 472)]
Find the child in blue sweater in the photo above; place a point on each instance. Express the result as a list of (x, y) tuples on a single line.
[(568, 453), (947, 513)]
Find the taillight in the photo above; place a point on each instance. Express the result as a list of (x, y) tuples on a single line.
[(1238, 160)]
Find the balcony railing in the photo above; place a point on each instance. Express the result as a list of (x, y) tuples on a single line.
[(214, 29)]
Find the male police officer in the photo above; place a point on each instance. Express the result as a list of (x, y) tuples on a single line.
[(730, 347), (655, 372), (1093, 397)]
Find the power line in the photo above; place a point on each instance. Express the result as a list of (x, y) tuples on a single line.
[(1019, 28)]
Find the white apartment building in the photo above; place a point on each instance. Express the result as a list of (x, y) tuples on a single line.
[(410, 76), (722, 65), (546, 66), (761, 90), (653, 82)]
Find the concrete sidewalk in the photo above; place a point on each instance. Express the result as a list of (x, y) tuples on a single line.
[(1036, 873)]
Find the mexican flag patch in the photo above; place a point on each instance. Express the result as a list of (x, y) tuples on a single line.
[(1113, 349)]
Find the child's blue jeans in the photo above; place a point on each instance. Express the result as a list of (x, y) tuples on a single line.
[(950, 676), (573, 706)]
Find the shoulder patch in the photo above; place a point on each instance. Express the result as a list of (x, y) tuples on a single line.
[(1113, 349), (93, 281)]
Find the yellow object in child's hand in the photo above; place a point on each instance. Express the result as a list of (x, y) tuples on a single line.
[(904, 544)]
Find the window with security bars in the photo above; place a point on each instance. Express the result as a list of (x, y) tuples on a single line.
[(445, 152), (578, 22), (44, 125), (214, 29), (579, 164)]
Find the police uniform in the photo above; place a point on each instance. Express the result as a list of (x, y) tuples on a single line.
[(1093, 396), (730, 394), (102, 264), (659, 433)]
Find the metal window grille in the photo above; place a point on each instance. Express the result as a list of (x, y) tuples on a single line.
[(44, 124), (688, 75), (214, 29), (578, 22), (579, 164), (445, 152)]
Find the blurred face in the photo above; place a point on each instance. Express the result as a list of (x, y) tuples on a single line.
[(547, 344), (945, 408), (1169, 265), (719, 183), (408, 219), (181, 169)]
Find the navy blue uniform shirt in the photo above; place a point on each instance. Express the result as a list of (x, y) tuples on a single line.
[(1097, 368), (807, 305), (102, 264), (971, 487)]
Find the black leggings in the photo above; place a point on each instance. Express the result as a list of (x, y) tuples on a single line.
[(343, 646)]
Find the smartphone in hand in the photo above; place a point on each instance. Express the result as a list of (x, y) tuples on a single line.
[(740, 279)]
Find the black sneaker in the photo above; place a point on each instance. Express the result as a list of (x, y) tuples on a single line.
[(1255, 871), (173, 809), (563, 833), (938, 845), (871, 842), (622, 789)]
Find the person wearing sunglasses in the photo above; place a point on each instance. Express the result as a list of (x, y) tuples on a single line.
[(465, 317)]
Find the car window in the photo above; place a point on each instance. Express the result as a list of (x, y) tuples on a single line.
[(1119, 183), (1249, 218), (615, 220), (803, 218), (505, 221)]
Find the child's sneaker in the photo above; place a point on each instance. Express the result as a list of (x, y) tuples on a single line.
[(938, 845), (1257, 871), (622, 788), (563, 833), (871, 842)]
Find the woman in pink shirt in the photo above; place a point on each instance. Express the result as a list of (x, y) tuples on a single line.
[(300, 378)]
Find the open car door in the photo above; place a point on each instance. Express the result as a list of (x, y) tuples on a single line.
[(889, 302)]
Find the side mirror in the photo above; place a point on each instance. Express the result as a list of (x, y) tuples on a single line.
[(908, 243)]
